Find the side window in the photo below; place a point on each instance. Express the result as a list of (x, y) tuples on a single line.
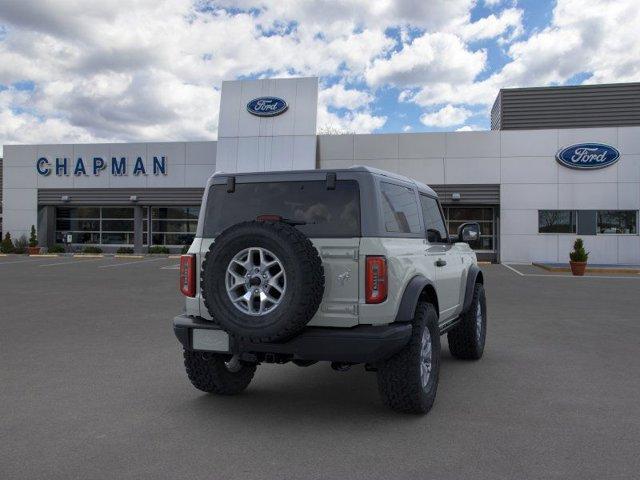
[(399, 208), (433, 222)]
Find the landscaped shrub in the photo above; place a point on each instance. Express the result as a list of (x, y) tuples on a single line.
[(57, 248), (185, 249), (20, 245), (158, 249), (7, 244), (33, 238), (124, 251), (579, 254), (91, 249)]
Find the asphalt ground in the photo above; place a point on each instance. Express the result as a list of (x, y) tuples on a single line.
[(92, 386)]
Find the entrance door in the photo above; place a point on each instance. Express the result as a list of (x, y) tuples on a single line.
[(487, 246)]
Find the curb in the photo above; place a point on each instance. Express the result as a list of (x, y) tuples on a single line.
[(45, 255), (588, 270), (88, 255), (127, 255)]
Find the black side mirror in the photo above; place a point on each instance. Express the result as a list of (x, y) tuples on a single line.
[(469, 232)]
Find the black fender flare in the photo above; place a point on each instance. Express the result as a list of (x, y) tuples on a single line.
[(410, 298), (474, 276)]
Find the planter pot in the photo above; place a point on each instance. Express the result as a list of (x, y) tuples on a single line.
[(578, 268), (33, 250)]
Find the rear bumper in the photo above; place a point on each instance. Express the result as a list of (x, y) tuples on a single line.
[(360, 344)]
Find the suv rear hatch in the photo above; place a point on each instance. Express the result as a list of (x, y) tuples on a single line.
[(328, 212)]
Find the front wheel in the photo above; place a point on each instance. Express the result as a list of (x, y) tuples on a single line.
[(216, 373), (408, 381), (466, 340)]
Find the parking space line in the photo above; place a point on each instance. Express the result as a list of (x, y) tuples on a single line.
[(513, 269), (131, 263), (30, 260), (72, 262), (171, 267)]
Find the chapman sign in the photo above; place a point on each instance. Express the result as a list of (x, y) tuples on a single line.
[(588, 156), (267, 106), (118, 166)]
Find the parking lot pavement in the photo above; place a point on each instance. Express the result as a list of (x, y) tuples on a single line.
[(92, 386)]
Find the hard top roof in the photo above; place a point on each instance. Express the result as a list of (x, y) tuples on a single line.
[(356, 168)]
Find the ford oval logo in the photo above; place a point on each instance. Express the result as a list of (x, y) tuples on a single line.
[(267, 106), (588, 156)]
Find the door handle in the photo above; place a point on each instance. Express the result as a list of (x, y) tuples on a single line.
[(440, 262)]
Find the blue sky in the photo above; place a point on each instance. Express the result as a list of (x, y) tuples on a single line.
[(77, 71)]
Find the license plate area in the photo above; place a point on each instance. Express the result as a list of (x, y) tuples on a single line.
[(210, 340)]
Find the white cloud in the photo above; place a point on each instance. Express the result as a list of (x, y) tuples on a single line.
[(447, 116), (432, 57), (340, 97), (597, 38), (469, 128), (509, 22), (407, 128), (359, 122)]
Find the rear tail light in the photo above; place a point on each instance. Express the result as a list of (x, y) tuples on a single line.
[(376, 280), (188, 275)]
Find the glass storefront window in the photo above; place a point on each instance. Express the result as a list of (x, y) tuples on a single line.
[(172, 226), (95, 225), (556, 221), (618, 221)]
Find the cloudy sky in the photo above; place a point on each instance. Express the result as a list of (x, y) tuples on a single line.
[(84, 71)]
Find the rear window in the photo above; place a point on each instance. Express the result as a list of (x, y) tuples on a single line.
[(325, 213)]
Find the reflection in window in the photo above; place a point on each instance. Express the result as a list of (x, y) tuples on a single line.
[(556, 221), (436, 231), (400, 209), (618, 221), (95, 225), (173, 225), (456, 216)]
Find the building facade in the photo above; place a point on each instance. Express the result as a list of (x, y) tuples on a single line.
[(531, 206)]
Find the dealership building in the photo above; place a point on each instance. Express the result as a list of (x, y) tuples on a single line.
[(558, 163)]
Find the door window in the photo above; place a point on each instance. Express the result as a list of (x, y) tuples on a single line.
[(433, 221)]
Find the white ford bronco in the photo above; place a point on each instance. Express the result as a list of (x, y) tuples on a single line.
[(347, 266)]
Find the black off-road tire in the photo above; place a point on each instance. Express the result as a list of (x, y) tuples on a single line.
[(209, 373), (399, 378), (304, 281), (465, 342)]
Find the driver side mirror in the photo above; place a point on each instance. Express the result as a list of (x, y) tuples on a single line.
[(469, 232)]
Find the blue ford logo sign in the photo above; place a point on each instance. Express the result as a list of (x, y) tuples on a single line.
[(588, 156), (267, 106)]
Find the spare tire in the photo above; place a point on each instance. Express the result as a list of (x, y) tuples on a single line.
[(262, 281)]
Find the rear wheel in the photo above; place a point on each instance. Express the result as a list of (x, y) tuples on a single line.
[(216, 373), (408, 381), (466, 340)]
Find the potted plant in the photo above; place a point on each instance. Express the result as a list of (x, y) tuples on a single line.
[(578, 258), (33, 249), (7, 244)]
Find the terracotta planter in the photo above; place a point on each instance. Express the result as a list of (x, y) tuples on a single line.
[(578, 268), (33, 250)]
